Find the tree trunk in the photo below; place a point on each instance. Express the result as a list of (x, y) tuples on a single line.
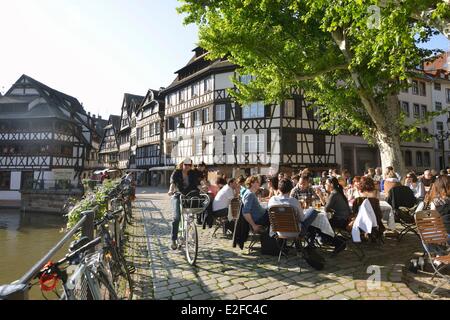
[(390, 151), (385, 115)]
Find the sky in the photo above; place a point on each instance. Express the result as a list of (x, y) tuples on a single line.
[(97, 50), (94, 50)]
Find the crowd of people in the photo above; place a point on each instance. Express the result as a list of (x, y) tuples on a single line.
[(337, 192)]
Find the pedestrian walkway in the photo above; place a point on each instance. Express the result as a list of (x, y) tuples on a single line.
[(224, 272)]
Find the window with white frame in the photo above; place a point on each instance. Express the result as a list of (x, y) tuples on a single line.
[(174, 99), (198, 118), (447, 91), (423, 88), (195, 89), (206, 115), (254, 110), (416, 110), (437, 86), (220, 112), (405, 108), (415, 87), (208, 84), (152, 129), (289, 109), (254, 143), (438, 106), (198, 146), (423, 111)]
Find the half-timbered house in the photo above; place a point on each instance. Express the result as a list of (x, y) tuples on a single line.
[(127, 133), (203, 122), (150, 136), (45, 136), (109, 147)]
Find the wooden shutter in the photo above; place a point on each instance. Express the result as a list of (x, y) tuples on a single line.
[(267, 111), (192, 119), (211, 114), (237, 112), (201, 115), (228, 111), (319, 144)]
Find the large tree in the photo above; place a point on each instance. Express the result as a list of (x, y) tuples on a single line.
[(351, 57)]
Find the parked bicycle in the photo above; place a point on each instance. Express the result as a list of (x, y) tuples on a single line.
[(191, 205), (120, 270), (89, 281)]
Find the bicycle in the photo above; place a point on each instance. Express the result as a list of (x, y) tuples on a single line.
[(90, 280), (120, 270), (190, 207)]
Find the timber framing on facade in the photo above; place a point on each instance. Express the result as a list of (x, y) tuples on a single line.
[(127, 132), (203, 122), (109, 147), (44, 134)]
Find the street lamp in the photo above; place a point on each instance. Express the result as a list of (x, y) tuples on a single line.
[(443, 136)]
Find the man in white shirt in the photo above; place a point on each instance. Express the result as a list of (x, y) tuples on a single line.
[(286, 186), (223, 198)]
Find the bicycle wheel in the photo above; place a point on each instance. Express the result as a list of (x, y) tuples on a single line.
[(121, 276), (105, 289), (191, 242), (128, 211)]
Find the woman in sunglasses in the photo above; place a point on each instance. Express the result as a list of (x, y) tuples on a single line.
[(182, 181)]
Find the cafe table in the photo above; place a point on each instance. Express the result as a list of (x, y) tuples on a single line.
[(388, 214)]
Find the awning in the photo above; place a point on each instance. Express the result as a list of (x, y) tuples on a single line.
[(100, 171), (135, 170), (171, 168)]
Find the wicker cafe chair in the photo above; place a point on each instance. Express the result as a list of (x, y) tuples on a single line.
[(434, 239), (283, 220)]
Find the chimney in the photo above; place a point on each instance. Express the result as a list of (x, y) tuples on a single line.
[(94, 116), (89, 114), (100, 117)]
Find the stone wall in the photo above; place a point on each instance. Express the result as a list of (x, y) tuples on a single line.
[(46, 200)]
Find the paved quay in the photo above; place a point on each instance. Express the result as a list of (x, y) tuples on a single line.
[(227, 273)]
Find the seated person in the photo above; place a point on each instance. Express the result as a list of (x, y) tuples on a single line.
[(241, 184), (295, 179), (415, 185), (353, 191), (303, 190), (254, 214), (368, 191), (440, 200), (428, 178), (223, 198), (304, 219), (272, 187), (337, 203)]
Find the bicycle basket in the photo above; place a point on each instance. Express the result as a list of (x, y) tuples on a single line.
[(195, 202)]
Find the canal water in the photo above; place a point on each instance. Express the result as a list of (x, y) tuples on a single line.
[(25, 239)]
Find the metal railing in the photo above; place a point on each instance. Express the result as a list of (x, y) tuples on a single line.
[(19, 290)]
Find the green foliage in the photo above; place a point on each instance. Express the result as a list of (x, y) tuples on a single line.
[(91, 200), (292, 43)]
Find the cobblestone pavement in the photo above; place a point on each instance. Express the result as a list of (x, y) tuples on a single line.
[(227, 273)]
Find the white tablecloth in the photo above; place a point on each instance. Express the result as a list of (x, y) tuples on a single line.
[(388, 214), (323, 224)]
